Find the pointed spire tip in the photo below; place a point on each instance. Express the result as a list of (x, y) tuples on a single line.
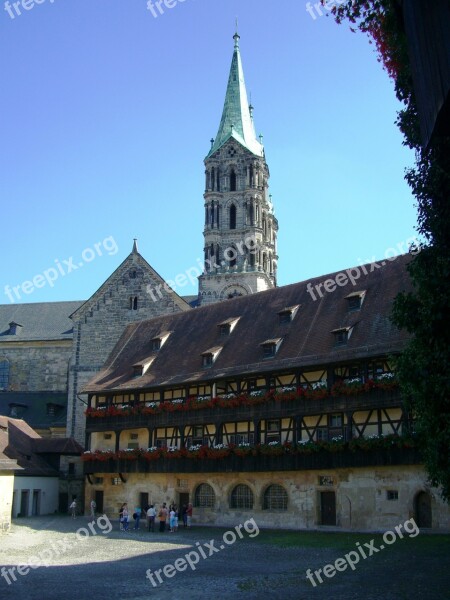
[(135, 248)]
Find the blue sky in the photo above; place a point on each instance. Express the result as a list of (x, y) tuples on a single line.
[(106, 113)]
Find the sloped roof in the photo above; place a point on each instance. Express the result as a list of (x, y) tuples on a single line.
[(19, 442), (306, 341), (32, 407), (38, 321)]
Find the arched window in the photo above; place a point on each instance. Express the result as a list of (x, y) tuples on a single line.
[(232, 216), (264, 224), (232, 181), (213, 178), (252, 213), (242, 497), (204, 496), (275, 498), (4, 374), (212, 214), (264, 259), (133, 302)]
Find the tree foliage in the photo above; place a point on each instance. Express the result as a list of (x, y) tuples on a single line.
[(423, 367)]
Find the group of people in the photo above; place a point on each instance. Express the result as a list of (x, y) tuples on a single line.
[(168, 517)]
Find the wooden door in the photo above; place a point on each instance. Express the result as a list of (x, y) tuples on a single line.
[(328, 508)]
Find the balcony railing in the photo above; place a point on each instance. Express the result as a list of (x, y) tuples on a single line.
[(237, 464), (241, 408)]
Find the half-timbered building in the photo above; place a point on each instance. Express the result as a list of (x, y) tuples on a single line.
[(283, 405)]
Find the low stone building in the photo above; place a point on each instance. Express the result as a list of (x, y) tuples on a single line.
[(30, 470), (282, 405)]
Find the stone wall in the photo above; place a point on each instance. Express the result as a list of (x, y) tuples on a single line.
[(361, 496), (134, 292), (37, 366)]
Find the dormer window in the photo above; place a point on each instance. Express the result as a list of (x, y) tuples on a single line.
[(287, 315), (207, 360), (355, 300), (53, 409), (159, 340), (226, 327), (342, 335), (209, 356), (13, 328), (270, 347), (142, 367), (16, 410)]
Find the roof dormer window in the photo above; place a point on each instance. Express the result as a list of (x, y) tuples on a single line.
[(226, 327), (209, 356), (159, 340), (142, 367), (13, 328), (342, 335), (270, 347), (287, 315), (355, 300)]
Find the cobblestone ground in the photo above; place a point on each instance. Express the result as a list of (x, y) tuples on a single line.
[(113, 565)]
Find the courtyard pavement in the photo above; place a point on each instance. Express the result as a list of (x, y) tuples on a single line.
[(81, 561)]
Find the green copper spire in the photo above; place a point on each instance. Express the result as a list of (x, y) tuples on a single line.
[(237, 116)]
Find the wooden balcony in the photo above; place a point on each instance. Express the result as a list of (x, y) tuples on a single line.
[(272, 409), (237, 464)]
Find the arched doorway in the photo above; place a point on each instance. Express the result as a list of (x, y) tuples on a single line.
[(422, 510)]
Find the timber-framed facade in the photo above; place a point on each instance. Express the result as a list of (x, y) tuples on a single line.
[(313, 432)]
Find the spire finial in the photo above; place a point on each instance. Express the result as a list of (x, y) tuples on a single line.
[(135, 248), (236, 36)]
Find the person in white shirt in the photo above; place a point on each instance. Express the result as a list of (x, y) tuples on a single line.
[(151, 514)]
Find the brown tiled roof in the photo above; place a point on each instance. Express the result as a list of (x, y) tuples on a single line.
[(64, 446), (307, 341), (20, 443)]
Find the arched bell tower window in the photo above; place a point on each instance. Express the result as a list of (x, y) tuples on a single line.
[(133, 302), (213, 179), (232, 216), (232, 181)]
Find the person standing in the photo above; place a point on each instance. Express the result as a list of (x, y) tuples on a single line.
[(162, 516), (73, 509), (137, 517), (151, 514), (93, 508), (184, 515), (189, 515), (172, 515), (125, 517)]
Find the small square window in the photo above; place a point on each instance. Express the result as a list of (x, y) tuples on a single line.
[(354, 303), (285, 317), (107, 436), (392, 494), (269, 350), (273, 425), (335, 420), (156, 344), (341, 337), (225, 329), (207, 360)]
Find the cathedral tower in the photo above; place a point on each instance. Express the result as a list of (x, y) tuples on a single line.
[(240, 227)]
